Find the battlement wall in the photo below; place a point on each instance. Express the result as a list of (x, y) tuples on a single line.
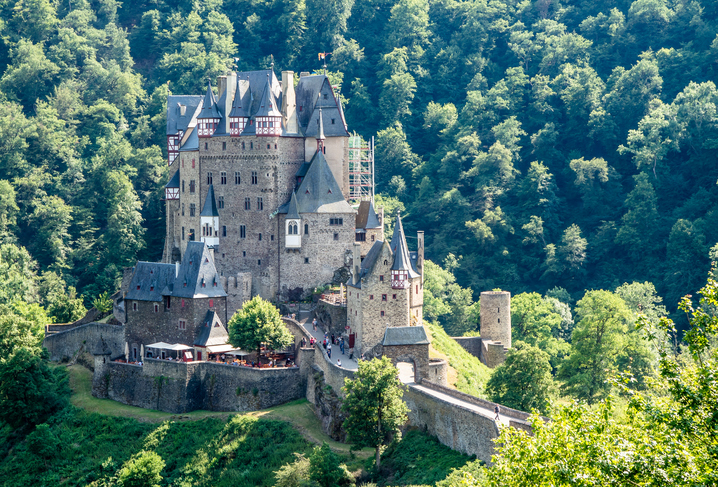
[(65, 344)]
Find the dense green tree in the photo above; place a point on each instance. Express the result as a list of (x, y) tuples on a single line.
[(596, 341), (325, 470), (142, 470), (373, 405), (523, 381), (258, 322)]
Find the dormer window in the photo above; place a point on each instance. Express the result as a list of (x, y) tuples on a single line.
[(138, 287)]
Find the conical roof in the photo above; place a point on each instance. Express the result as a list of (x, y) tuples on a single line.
[(319, 191), (402, 261), (292, 212), (242, 99), (209, 105), (372, 220), (210, 205), (267, 104)]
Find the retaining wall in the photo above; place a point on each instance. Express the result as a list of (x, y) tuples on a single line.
[(457, 427), (333, 317), (470, 344), (65, 345)]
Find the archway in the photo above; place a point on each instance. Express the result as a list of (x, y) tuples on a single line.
[(407, 371)]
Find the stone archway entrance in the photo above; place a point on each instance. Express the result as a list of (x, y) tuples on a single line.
[(407, 371)]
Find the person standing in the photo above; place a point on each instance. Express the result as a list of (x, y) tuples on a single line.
[(314, 324), (341, 346), (329, 350), (496, 411)]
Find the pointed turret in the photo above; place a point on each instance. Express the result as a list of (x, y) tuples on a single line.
[(398, 234), (209, 116), (401, 269), (292, 224), (372, 220), (209, 219), (268, 117), (239, 115)]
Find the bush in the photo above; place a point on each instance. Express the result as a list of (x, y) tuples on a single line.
[(142, 470)]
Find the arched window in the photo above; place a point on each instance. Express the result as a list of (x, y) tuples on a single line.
[(306, 229)]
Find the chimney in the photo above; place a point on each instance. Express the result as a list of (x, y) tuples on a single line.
[(356, 263), (420, 255), (303, 74), (221, 86), (289, 103), (182, 108), (231, 88)]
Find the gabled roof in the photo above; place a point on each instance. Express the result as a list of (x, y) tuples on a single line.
[(177, 122), (197, 276), (256, 81), (242, 99), (212, 331), (268, 104), (209, 105), (405, 335), (192, 142), (292, 212), (210, 205), (174, 180), (319, 191), (149, 280), (366, 216), (310, 94)]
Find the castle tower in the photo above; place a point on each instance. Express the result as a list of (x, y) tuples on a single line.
[(496, 317), (292, 223), (208, 118), (209, 219)]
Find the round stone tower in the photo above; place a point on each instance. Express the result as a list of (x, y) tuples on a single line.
[(496, 317)]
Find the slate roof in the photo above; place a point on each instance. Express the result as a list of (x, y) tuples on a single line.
[(209, 105), (292, 213), (174, 180), (319, 191), (212, 331), (197, 276), (405, 335), (268, 103), (210, 205), (257, 81), (192, 142), (402, 261), (149, 281), (367, 264), (366, 216), (310, 96), (242, 99), (175, 120)]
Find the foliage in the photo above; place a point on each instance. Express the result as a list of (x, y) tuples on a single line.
[(294, 474), (373, 404), (258, 322), (325, 470), (418, 458), (103, 303), (447, 302), (142, 470), (523, 381)]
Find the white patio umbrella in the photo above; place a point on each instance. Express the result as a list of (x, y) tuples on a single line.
[(127, 352), (142, 352)]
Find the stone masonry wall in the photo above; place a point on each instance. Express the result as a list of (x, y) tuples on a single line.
[(470, 344), (332, 317), (456, 427), (65, 345)]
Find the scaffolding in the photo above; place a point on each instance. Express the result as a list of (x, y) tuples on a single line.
[(361, 168)]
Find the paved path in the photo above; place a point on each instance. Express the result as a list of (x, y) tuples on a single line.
[(489, 413), (305, 320)]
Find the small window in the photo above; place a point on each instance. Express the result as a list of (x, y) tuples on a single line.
[(271, 237), (381, 278), (182, 325), (183, 303), (224, 232), (275, 146), (244, 253), (393, 296), (237, 178), (417, 289), (372, 238), (371, 296), (336, 236), (260, 237), (157, 308), (134, 306), (183, 185), (333, 121), (182, 209), (382, 313), (182, 233), (224, 144), (191, 234), (383, 297), (306, 229), (211, 303), (209, 178), (223, 178), (247, 203), (255, 177), (260, 204), (268, 145), (192, 209), (325, 96), (251, 144), (192, 163), (243, 234), (138, 287), (242, 145), (205, 146), (306, 260), (259, 262), (220, 202)]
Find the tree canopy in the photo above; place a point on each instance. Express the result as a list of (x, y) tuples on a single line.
[(256, 323)]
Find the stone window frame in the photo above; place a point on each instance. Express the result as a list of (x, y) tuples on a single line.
[(383, 297), (223, 177), (192, 209), (306, 260), (336, 221), (255, 177), (192, 186), (237, 177), (336, 236), (371, 296), (242, 231), (247, 203), (381, 278), (181, 324), (382, 313), (393, 296), (192, 237), (134, 306), (210, 177), (220, 202), (306, 229), (157, 308), (260, 203), (224, 230)]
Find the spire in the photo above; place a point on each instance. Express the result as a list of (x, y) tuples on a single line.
[(320, 135), (210, 205), (209, 105), (292, 211), (372, 220), (238, 106), (268, 105), (402, 260), (398, 235)]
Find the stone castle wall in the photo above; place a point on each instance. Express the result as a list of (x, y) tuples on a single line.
[(470, 344), (333, 317), (496, 317), (66, 344)]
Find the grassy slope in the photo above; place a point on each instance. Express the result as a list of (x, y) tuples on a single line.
[(419, 459), (470, 374)]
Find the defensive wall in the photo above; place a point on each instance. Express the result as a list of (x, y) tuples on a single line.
[(64, 345), (332, 316), (490, 353)]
